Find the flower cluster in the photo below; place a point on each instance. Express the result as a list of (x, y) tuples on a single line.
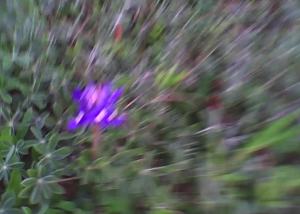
[(97, 106)]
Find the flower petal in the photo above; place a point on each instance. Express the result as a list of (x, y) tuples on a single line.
[(106, 89), (104, 95), (72, 125), (118, 121), (112, 119), (100, 116), (104, 119), (83, 118), (88, 91), (97, 106), (77, 94), (116, 95)]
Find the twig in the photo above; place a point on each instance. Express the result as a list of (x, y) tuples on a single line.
[(67, 179), (133, 101), (81, 28), (96, 141)]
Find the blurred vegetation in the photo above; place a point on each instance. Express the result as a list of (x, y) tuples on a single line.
[(212, 95)]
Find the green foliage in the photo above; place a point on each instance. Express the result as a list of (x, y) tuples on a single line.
[(276, 132), (39, 188), (7, 204), (169, 78), (211, 95)]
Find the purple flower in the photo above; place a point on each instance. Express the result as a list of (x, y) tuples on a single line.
[(97, 106)]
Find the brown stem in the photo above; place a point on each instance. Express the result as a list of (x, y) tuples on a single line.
[(67, 179), (96, 141)]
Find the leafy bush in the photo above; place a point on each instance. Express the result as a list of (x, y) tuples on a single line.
[(211, 97)]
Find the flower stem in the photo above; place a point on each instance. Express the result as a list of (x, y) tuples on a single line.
[(66, 180), (96, 141)]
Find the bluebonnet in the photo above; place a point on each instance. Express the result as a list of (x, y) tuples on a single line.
[(97, 106)]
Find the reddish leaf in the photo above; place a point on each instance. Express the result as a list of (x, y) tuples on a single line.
[(118, 32), (214, 102)]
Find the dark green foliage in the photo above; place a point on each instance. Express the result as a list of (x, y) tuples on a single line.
[(212, 98)]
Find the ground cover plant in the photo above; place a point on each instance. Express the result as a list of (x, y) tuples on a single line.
[(149, 106)]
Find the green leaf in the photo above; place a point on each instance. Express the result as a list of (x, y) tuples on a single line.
[(8, 199), (44, 209), (13, 211), (28, 116), (20, 144), (59, 172), (40, 148), (57, 189), (272, 130), (7, 63), (52, 142), (6, 97), (84, 158), (58, 110), (2, 175), (66, 136), (269, 191), (29, 182), (66, 205), (55, 211), (1, 81), (6, 135), (37, 133), (39, 103), (7, 144), (168, 77), (159, 77), (62, 153), (44, 161), (1, 160), (67, 94), (274, 133), (10, 154), (50, 178), (12, 83), (26, 210), (47, 191), (27, 144), (25, 89), (25, 193), (36, 85), (15, 182), (233, 178), (50, 122), (36, 195), (32, 173), (16, 165), (23, 60)]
